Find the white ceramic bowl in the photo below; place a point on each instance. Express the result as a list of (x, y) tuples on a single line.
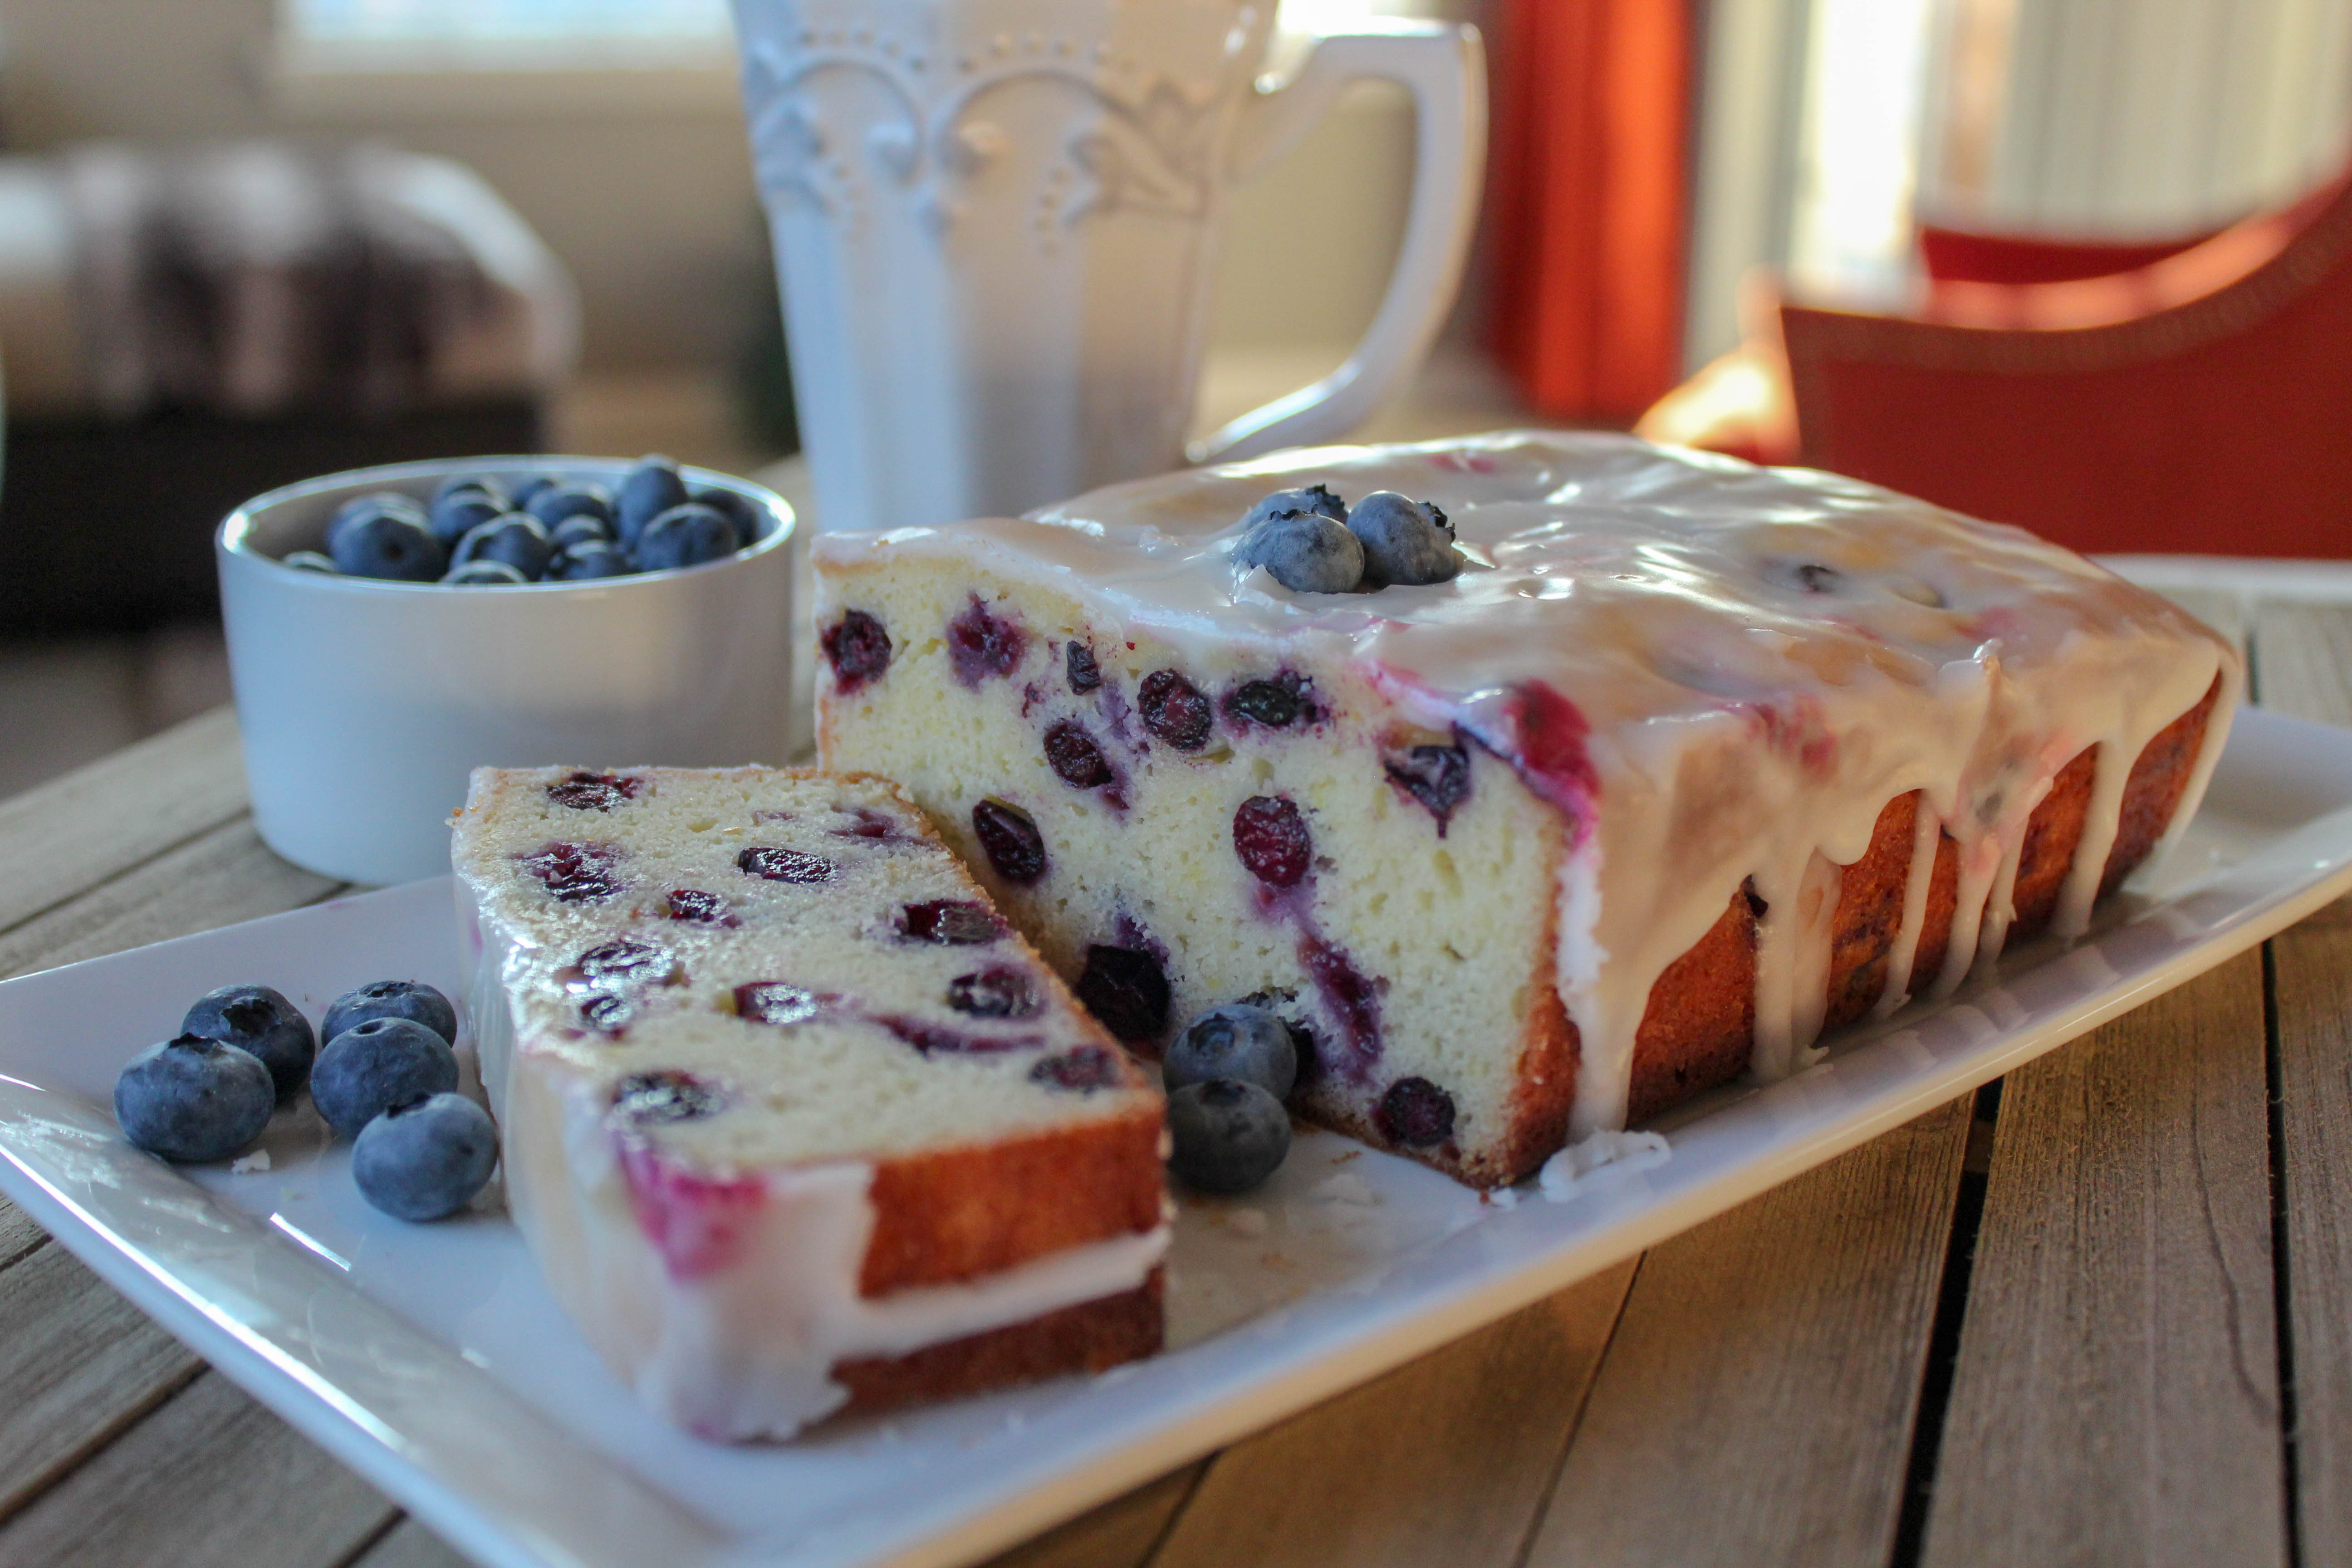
[(365, 704)]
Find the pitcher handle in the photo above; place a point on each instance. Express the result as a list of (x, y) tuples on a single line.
[(1444, 67)]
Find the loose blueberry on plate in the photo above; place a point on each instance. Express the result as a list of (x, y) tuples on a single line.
[(425, 1159), (514, 538), (458, 514), (586, 563), (1307, 553), (584, 529), (652, 488), (409, 999), (388, 545), (685, 535), (485, 574), (372, 1066), (257, 1019), (1404, 541), (562, 502), (1316, 499), (310, 561), (1229, 1136), (1237, 1041), (193, 1100), (375, 503), (738, 509)]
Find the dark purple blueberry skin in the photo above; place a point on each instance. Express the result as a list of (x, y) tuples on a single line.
[(257, 1019), (740, 511), (473, 484), (982, 643), (1236, 1041), (945, 1039), (587, 527), (776, 1002), (858, 648), (948, 922), (458, 512), (407, 999), (1078, 661), (1229, 1136), (560, 501), (664, 1095), (1275, 703), (777, 865), (688, 535), (1082, 1069), (590, 560), (700, 908), (1075, 758), (516, 539), (594, 792), (1127, 991), (651, 489), (193, 1100), (376, 504), (997, 992), (389, 546), (1415, 1112), (574, 873), (426, 1160), (1437, 778), (1011, 841), (1175, 710), (372, 1066), (1271, 839), (623, 963)]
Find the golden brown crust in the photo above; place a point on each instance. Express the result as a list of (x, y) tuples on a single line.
[(1699, 1025), (951, 1214), (1092, 1336)]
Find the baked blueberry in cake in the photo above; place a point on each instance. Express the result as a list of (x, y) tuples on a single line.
[(1617, 772), (793, 1118)]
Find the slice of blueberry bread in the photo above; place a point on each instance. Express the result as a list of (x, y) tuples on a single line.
[(1541, 781), (791, 1119)]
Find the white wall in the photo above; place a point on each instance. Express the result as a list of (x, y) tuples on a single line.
[(648, 194)]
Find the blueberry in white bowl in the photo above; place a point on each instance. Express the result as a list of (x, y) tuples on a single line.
[(424, 1159), (410, 999), (312, 560), (372, 1066), (484, 574), (375, 503), (459, 513), (529, 490), (565, 499), (651, 489), (586, 563), (258, 1019), (516, 538), (390, 545), (192, 1099), (687, 535), (585, 528), (1228, 1136)]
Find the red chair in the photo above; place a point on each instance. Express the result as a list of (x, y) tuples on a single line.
[(2195, 400)]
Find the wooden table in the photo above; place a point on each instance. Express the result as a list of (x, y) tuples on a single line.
[(2100, 1311)]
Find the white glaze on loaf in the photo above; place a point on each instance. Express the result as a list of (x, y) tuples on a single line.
[(698, 1184), (1719, 675)]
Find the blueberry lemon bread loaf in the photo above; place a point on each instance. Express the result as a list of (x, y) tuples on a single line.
[(1647, 768), (792, 1120)]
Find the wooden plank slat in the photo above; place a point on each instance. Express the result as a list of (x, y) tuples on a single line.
[(222, 875), (409, 1544), (1443, 1460), (78, 1364), (1121, 1534), (210, 1480), (2116, 1397), (1758, 1400), (2304, 655), (19, 1234), (66, 837)]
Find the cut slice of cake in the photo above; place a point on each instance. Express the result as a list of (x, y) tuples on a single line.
[(1690, 761), (791, 1119)]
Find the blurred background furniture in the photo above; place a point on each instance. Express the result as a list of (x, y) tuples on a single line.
[(2184, 396), (186, 330)]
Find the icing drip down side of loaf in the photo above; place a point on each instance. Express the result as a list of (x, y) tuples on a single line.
[(1721, 675)]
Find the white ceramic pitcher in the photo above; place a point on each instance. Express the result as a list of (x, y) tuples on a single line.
[(995, 223)]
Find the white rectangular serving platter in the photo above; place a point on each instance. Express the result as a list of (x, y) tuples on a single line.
[(431, 1359)]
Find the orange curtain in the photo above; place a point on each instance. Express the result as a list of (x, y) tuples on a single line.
[(1587, 192)]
